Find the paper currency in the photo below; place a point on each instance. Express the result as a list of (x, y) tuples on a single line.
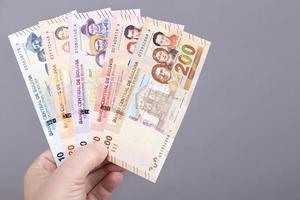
[(28, 49), (154, 97), (112, 77), (100, 107), (124, 34), (88, 41), (55, 35), (88, 34)]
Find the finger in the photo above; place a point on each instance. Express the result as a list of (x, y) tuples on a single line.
[(94, 178), (41, 168), (104, 189), (47, 161), (105, 162), (84, 160), (113, 168), (44, 162)]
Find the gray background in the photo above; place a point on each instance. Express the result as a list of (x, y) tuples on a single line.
[(240, 137)]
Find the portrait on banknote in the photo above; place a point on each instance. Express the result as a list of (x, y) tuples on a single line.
[(160, 39), (62, 36), (95, 35), (35, 45), (131, 47), (132, 32)]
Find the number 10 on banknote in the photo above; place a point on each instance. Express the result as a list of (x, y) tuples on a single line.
[(28, 48)]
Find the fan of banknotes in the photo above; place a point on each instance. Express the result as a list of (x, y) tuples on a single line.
[(111, 77)]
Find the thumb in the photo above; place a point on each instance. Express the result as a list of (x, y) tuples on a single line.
[(84, 160)]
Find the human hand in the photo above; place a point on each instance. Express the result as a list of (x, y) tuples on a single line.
[(83, 176)]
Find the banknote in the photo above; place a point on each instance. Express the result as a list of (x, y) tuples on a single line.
[(55, 35), (28, 48), (154, 97), (88, 41), (102, 54), (124, 34), (88, 34)]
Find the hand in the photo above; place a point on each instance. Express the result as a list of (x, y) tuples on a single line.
[(83, 176)]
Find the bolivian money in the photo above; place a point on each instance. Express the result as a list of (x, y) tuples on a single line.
[(123, 39), (97, 127), (28, 48), (112, 77), (124, 34), (88, 41), (88, 34), (55, 35), (145, 118)]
